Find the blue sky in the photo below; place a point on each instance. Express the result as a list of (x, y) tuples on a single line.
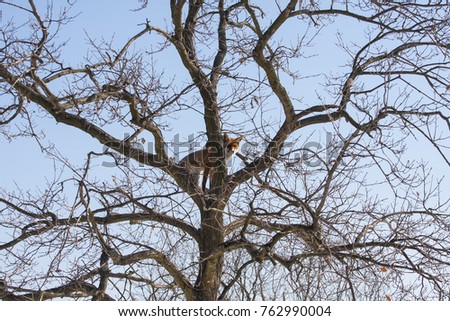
[(115, 20), (26, 167)]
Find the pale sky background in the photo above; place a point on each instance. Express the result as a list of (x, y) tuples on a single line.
[(27, 167), (23, 165)]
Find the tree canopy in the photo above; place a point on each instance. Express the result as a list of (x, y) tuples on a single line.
[(339, 189)]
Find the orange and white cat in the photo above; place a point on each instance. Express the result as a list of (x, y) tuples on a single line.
[(206, 159)]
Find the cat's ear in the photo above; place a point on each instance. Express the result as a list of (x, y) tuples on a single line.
[(238, 140), (225, 136)]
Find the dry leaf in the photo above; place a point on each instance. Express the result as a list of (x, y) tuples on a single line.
[(383, 269)]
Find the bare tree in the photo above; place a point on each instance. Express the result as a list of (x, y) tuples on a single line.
[(357, 218)]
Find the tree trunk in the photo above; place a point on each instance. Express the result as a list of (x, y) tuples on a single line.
[(210, 267)]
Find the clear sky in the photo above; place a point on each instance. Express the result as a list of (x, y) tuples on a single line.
[(23, 166), (102, 19)]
